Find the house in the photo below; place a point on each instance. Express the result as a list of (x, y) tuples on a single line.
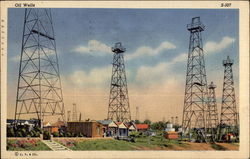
[(122, 129), (86, 128), (142, 127), (47, 126), (109, 128), (131, 127)]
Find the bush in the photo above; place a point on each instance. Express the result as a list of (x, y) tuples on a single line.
[(46, 135), (68, 134), (134, 134), (55, 134), (80, 135), (19, 134), (10, 132)]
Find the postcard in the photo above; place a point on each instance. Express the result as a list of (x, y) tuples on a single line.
[(124, 79)]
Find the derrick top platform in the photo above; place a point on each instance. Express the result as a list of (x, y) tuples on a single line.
[(228, 62), (195, 25), (118, 48), (211, 86)]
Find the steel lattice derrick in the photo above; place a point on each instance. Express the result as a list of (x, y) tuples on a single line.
[(212, 112), (229, 116), (119, 109), (195, 102), (39, 91)]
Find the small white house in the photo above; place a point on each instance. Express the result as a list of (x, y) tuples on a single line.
[(122, 129)]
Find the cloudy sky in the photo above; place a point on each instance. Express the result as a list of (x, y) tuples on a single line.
[(157, 43)]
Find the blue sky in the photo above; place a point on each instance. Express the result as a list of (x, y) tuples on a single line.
[(156, 41)]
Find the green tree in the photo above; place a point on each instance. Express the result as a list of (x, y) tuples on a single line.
[(137, 122), (147, 121)]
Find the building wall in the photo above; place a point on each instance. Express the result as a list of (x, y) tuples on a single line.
[(88, 129)]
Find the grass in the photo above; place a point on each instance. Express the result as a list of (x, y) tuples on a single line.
[(141, 143), (102, 145), (14, 145)]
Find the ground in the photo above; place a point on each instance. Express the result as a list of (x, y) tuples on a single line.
[(141, 143)]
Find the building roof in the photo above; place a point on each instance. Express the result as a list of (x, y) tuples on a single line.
[(59, 124), (45, 124), (105, 122), (131, 127), (142, 126), (121, 125), (22, 121), (108, 123)]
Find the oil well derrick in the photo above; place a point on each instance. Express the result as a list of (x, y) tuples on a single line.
[(212, 113), (195, 100), (118, 108), (39, 91), (229, 119)]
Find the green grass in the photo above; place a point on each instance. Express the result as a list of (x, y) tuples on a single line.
[(141, 143), (102, 145), (27, 147)]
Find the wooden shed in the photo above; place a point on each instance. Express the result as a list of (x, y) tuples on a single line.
[(86, 128)]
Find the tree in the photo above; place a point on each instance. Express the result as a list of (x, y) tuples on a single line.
[(147, 121), (137, 122)]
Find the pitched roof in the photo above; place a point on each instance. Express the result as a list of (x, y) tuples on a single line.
[(142, 126), (121, 125), (105, 122), (58, 124)]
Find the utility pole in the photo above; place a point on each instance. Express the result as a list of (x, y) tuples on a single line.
[(118, 108)]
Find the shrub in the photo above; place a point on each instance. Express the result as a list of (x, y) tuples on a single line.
[(68, 134), (10, 132), (55, 134), (46, 135), (80, 135)]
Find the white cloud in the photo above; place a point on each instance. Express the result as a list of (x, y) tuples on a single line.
[(95, 77), (148, 51), (211, 47), (93, 46), (159, 71)]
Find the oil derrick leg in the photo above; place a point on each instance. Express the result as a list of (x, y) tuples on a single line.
[(119, 109), (193, 120), (39, 92)]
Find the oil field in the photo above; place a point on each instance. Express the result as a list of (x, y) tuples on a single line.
[(64, 99)]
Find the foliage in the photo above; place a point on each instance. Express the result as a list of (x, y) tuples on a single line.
[(147, 121), (137, 122), (24, 145), (10, 132), (158, 125), (55, 134), (46, 135), (134, 134)]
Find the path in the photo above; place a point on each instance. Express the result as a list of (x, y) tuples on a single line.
[(55, 146)]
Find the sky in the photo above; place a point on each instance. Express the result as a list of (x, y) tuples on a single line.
[(156, 42)]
